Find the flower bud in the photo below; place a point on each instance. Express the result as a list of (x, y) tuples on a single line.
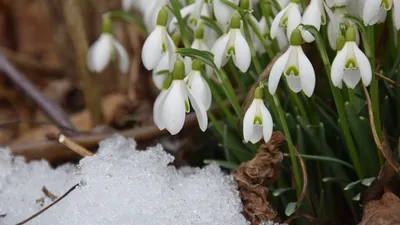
[(235, 21), (196, 65), (107, 24)]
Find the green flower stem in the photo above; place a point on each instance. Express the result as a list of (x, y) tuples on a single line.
[(281, 114), (267, 47), (338, 98), (182, 27), (236, 76), (289, 141), (373, 88)]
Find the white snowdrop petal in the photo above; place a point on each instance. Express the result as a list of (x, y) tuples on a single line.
[(123, 58), (338, 67), (268, 123), (248, 126), (242, 56), (370, 12), (277, 70), (173, 109), (152, 48), (158, 79), (277, 21), (219, 49), (363, 65), (223, 12), (307, 73), (294, 19), (311, 16), (157, 109), (256, 135), (396, 14), (199, 109), (99, 54), (351, 78), (171, 49), (200, 89), (294, 83)]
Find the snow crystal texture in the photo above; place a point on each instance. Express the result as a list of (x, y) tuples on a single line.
[(118, 185)]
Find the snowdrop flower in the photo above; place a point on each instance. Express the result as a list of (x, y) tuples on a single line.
[(161, 71), (193, 12), (350, 64), (337, 3), (199, 87), (174, 104), (296, 67), (105, 49), (265, 30), (198, 44), (288, 18), (375, 11), (232, 44), (223, 12), (257, 121), (158, 43), (338, 25), (157, 110), (313, 15)]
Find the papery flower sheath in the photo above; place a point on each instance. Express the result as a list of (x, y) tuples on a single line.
[(350, 64), (296, 68), (257, 122), (232, 44)]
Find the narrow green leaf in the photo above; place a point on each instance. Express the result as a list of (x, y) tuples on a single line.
[(213, 24), (368, 181), (333, 179), (128, 17), (290, 208), (162, 72), (224, 164), (182, 26), (352, 185), (357, 197), (281, 191)]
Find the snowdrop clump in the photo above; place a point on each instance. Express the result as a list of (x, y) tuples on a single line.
[(118, 185), (229, 37)]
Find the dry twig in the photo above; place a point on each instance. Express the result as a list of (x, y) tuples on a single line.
[(74, 146), (47, 207)]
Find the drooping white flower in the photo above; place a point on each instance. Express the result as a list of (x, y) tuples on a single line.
[(337, 3), (375, 11), (157, 110), (105, 49), (150, 10), (288, 18), (338, 25), (158, 43), (280, 37), (174, 104), (296, 68), (350, 64), (257, 122), (232, 44), (223, 12), (159, 73), (199, 87), (313, 15)]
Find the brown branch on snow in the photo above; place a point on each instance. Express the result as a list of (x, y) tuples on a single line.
[(52, 110), (47, 207)]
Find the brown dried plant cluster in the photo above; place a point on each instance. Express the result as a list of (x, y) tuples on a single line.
[(254, 177)]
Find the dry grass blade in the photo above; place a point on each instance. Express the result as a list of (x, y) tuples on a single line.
[(305, 179), (74, 146), (47, 207), (388, 158)]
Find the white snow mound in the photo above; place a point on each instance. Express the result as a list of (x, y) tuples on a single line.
[(119, 185)]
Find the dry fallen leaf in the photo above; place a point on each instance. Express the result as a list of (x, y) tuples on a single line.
[(254, 176), (385, 211)]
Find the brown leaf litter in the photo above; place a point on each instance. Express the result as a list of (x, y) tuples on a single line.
[(254, 177)]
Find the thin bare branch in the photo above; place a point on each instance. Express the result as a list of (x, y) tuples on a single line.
[(387, 79), (74, 146)]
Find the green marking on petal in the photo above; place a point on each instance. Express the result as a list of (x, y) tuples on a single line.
[(323, 20), (187, 106), (351, 64), (292, 70), (193, 21), (231, 50), (385, 4), (285, 21), (257, 121), (267, 36), (163, 47)]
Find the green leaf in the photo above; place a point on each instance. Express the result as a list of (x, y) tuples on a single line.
[(368, 181), (290, 208), (352, 185), (224, 164), (357, 197), (213, 24), (333, 179), (162, 72), (128, 17), (176, 10), (281, 191)]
